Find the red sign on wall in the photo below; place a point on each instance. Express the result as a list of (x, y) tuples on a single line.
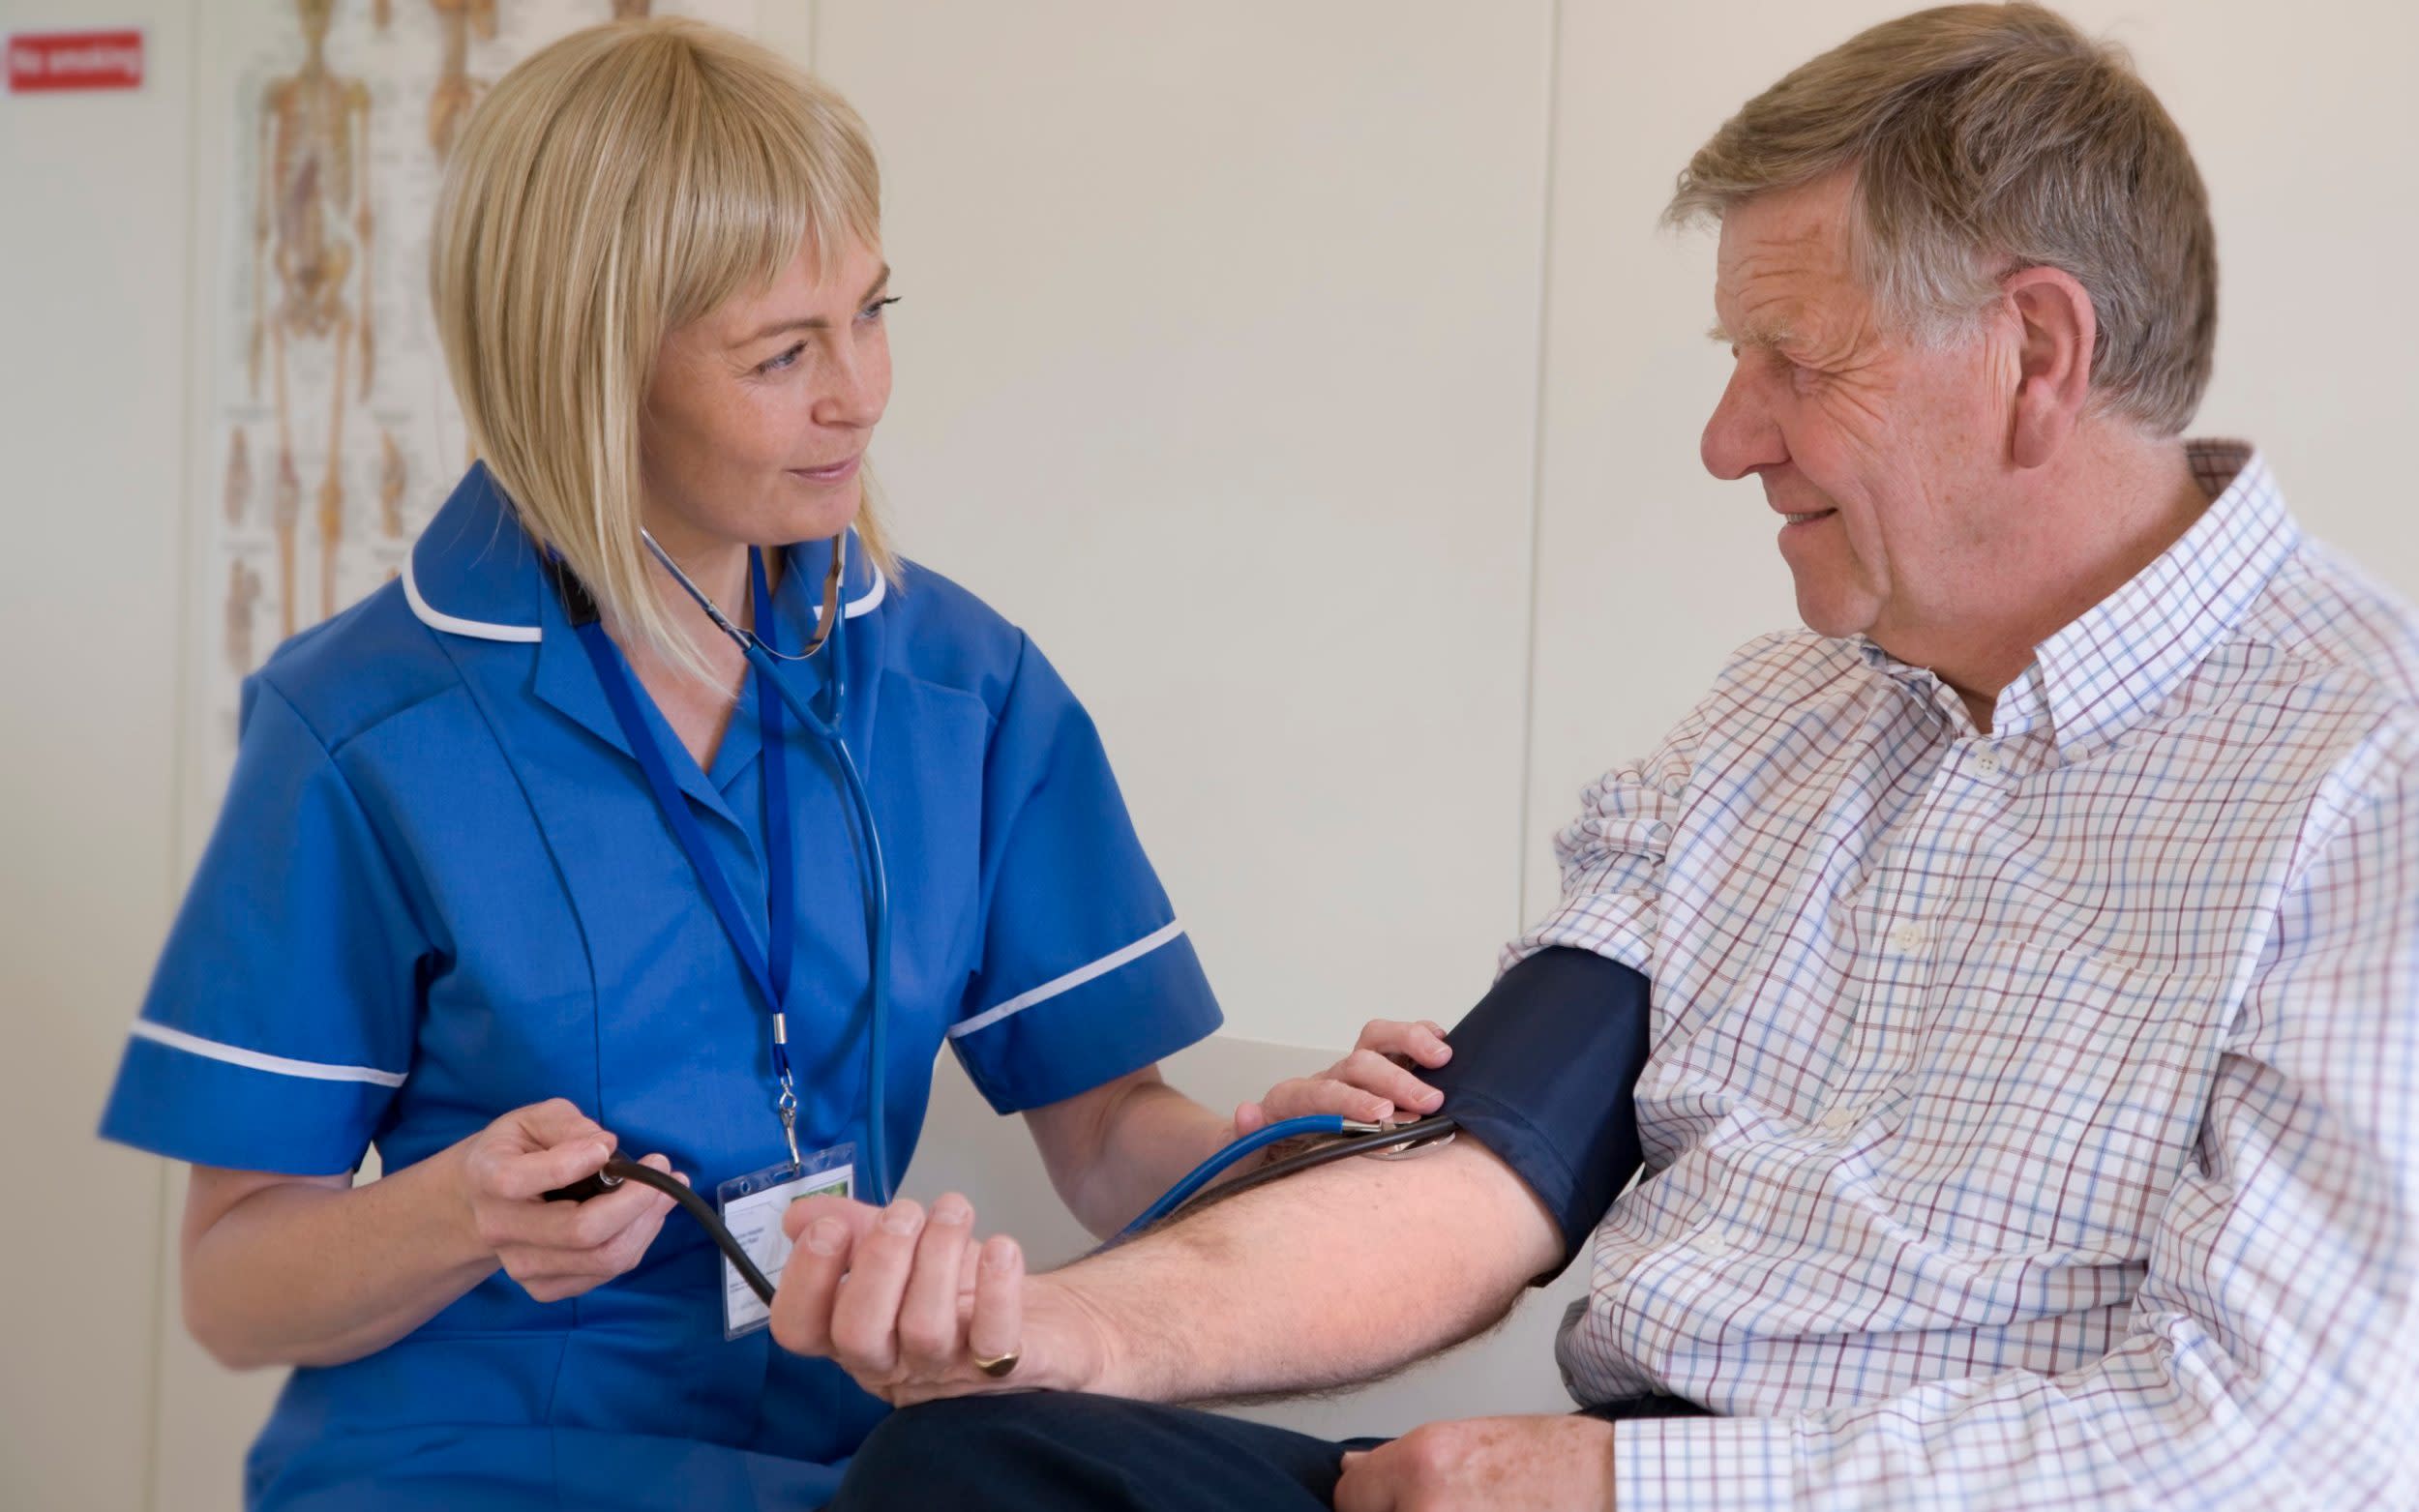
[(74, 60)]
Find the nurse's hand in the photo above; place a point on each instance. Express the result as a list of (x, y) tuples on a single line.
[(905, 1303), (554, 1250), (1373, 1083)]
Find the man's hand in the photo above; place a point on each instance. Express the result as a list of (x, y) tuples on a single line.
[(906, 1304), (1486, 1464)]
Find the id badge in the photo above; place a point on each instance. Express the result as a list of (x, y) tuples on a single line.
[(752, 1207)]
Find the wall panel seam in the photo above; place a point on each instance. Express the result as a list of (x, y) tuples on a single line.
[(1537, 461), (181, 705)]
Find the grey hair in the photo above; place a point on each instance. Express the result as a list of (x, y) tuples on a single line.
[(1985, 139)]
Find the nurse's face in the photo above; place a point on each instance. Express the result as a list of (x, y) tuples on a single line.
[(755, 426)]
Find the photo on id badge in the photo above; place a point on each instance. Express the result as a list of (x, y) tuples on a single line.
[(752, 1207)]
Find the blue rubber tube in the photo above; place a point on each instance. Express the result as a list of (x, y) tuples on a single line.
[(1209, 1170)]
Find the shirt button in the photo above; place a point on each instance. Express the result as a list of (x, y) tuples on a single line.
[(1839, 1120), (1907, 937), (1713, 1243), (1988, 760)]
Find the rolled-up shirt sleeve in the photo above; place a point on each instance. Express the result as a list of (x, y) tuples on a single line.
[(2272, 1354), (1611, 859)]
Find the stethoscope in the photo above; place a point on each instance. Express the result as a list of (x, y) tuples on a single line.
[(772, 667), (822, 711), (1381, 1142), (830, 633)]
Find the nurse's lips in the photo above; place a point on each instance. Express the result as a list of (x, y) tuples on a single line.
[(835, 473)]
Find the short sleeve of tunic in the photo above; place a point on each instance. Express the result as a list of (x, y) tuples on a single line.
[(281, 1017), (1084, 973)]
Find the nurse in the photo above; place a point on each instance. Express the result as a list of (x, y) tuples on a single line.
[(460, 903)]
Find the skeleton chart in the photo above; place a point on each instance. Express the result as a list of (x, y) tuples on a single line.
[(328, 433)]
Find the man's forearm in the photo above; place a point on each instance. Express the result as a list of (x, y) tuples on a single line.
[(1339, 1274)]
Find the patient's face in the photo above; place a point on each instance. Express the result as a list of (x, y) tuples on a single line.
[(1893, 457)]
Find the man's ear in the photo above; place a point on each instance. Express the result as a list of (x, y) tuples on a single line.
[(2053, 373)]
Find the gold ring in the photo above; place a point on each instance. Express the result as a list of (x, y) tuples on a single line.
[(998, 1365)]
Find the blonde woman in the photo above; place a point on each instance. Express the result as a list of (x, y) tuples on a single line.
[(522, 863)]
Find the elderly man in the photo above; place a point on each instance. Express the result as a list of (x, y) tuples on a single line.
[(2032, 1115)]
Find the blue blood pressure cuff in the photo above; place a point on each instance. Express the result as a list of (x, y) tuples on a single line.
[(1543, 1073)]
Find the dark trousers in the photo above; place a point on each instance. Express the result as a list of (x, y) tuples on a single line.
[(1071, 1453)]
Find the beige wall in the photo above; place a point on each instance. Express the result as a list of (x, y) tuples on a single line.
[(1217, 371), (1311, 378), (93, 237)]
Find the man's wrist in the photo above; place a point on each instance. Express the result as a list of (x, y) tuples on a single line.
[(1094, 1353), (1612, 1476)]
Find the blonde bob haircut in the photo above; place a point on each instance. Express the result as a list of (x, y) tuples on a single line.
[(1985, 139), (615, 186)]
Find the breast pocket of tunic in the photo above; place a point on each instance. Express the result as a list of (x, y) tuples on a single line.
[(2053, 1102)]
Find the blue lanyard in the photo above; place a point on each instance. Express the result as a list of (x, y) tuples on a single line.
[(769, 968)]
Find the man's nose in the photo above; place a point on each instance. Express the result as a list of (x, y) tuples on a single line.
[(1741, 435)]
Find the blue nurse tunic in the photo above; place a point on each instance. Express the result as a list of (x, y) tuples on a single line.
[(440, 889)]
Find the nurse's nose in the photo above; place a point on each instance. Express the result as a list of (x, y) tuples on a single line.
[(858, 387)]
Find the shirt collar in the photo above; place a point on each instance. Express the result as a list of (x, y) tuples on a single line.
[(2122, 659), (2126, 655), (474, 572)]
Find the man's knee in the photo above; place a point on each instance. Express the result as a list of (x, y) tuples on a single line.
[(918, 1451), (974, 1451), (1060, 1450)]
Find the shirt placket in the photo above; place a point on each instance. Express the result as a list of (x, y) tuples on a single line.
[(1904, 911)]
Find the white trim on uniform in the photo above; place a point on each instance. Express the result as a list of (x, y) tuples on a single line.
[(252, 1059), (435, 618), (1069, 982), (476, 628), (864, 601)]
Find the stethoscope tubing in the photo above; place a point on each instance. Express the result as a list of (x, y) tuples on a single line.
[(878, 897), (620, 1169), (768, 665), (1357, 1138), (1186, 1193)]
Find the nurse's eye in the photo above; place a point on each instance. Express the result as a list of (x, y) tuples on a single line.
[(873, 311), (781, 363)]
